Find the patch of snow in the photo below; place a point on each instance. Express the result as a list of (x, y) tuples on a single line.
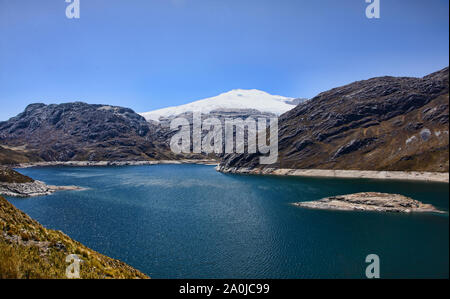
[(105, 108), (410, 139), (234, 99)]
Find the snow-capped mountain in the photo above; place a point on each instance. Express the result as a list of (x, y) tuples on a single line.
[(237, 99)]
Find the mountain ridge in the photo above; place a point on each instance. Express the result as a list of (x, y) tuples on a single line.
[(383, 123), (80, 131), (236, 99)]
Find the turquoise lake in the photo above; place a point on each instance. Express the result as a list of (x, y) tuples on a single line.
[(189, 221)]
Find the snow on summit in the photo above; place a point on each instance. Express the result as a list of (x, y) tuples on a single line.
[(234, 99)]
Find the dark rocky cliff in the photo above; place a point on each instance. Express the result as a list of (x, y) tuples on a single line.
[(79, 131), (384, 123)]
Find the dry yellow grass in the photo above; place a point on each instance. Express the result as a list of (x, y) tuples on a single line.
[(8, 175), (30, 251)]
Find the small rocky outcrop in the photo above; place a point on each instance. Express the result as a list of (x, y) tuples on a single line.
[(35, 188), (370, 201), (15, 184)]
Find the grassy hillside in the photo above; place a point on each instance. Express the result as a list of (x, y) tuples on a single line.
[(13, 156), (30, 251), (8, 175)]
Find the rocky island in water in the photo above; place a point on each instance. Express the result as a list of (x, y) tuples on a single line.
[(15, 184), (370, 201)]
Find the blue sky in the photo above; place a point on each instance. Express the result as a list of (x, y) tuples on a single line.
[(150, 54)]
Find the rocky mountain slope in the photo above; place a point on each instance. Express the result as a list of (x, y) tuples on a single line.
[(9, 156), (384, 123), (29, 250), (83, 132), (237, 103), (219, 114), (80, 132)]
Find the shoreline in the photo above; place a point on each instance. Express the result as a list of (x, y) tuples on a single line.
[(441, 177), (33, 189), (423, 176), (112, 163)]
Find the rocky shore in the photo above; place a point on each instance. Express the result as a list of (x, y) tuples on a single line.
[(114, 163), (442, 177), (35, 188), (15, 184), (370, 201)]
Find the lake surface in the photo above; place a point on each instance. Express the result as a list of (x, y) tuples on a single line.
[(189, 221)]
